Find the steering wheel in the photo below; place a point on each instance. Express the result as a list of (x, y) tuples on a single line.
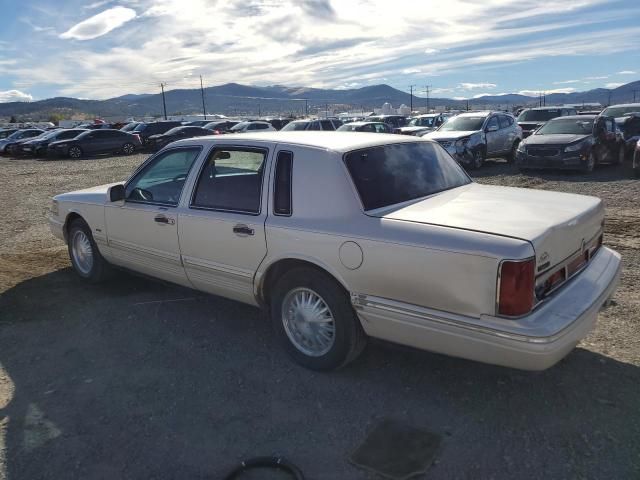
[(145, 195)]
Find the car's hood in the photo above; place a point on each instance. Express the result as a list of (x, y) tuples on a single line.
[(554, 223), (61, 142), (450, 135), (556, 139), (414, 129), (96, 195)]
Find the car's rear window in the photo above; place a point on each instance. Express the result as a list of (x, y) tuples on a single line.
[(396, 173)]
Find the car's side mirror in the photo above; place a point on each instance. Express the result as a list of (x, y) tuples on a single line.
[(116, 193)]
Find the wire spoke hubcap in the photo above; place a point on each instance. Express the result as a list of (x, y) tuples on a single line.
[(308, 322), (82, 252)]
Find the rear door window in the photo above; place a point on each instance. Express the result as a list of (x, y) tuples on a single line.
[(504, 121), (326, 125), (231, 180)]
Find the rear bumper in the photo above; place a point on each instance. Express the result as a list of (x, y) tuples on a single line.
[(534, 342)]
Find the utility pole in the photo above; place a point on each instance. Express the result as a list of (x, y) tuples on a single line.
[(204, 108), (544, 98), (164, 103), (306, 107), (411, 97), (634, 95), (259, 111), (426, 88)]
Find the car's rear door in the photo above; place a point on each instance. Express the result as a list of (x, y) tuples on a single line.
[(221, 230), (493, 135), (142, 230)]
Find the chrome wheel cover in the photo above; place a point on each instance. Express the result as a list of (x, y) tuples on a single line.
[(308, 322), (74, 152), (82, 252), (128, 149)]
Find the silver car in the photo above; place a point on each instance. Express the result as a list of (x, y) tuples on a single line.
[(472, 137)]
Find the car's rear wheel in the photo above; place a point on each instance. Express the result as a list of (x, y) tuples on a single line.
[(84, 254), (313, 317), (75, 151), (128, 148)]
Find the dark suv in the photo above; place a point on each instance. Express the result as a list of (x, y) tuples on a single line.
[(533, 118), (145, 130)]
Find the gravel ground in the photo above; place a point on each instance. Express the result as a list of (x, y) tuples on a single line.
[(139, 379)]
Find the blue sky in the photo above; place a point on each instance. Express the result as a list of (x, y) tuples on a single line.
[(461, 48)]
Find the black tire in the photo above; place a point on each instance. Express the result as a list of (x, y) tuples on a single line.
[(75, 152), (622, 153), (512, 155), (636, 164), (591, 163), (100, 269), (477, 158), (349, 338), (128, 148)]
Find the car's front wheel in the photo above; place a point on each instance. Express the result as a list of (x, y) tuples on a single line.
[(75, 152), (477, 158), (128, 148), (84, 254), (313, 317), (621, 154), (591, 163), (512, 154)]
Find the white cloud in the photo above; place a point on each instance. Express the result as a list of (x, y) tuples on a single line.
[(566, 82), (472, 86), (602, 77), (317, 43), (15, 96), (535, 93), (613, 85), (100, 24), (627, 72)]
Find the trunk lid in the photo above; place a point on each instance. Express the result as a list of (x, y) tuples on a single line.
[(556, 224)]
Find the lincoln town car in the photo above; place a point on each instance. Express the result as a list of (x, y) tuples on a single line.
[(343, 236)]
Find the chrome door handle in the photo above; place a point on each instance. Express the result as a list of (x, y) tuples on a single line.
[(163, 219), (243, 230)]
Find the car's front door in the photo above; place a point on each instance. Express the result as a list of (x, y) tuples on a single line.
[(494, 140), (222, 237), (142, 230)]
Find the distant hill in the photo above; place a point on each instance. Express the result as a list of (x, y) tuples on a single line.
[(237, 99)]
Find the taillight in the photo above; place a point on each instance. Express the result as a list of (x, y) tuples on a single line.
[(516, 287)]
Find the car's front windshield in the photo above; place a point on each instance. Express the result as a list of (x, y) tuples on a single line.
[(538, 115), (174, 130), (422, 122), (568, 126), (407, 171), (463, 124), (621, 111)]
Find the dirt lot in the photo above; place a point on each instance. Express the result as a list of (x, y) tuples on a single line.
[(138, 379)]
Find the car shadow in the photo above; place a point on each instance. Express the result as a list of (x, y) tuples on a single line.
[(602, 173), (139, 379)]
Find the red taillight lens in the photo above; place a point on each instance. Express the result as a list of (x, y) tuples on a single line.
[(517, 281)]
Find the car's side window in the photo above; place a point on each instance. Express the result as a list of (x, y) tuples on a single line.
[(162, 179), (492, 123), (314, 126), (282, 184), (381, 128), (504, 121), (326, 125), (231, 180)]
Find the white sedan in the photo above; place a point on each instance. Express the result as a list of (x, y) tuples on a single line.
[(344, 235)]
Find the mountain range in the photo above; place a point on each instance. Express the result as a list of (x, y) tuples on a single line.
[(237, 99)]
